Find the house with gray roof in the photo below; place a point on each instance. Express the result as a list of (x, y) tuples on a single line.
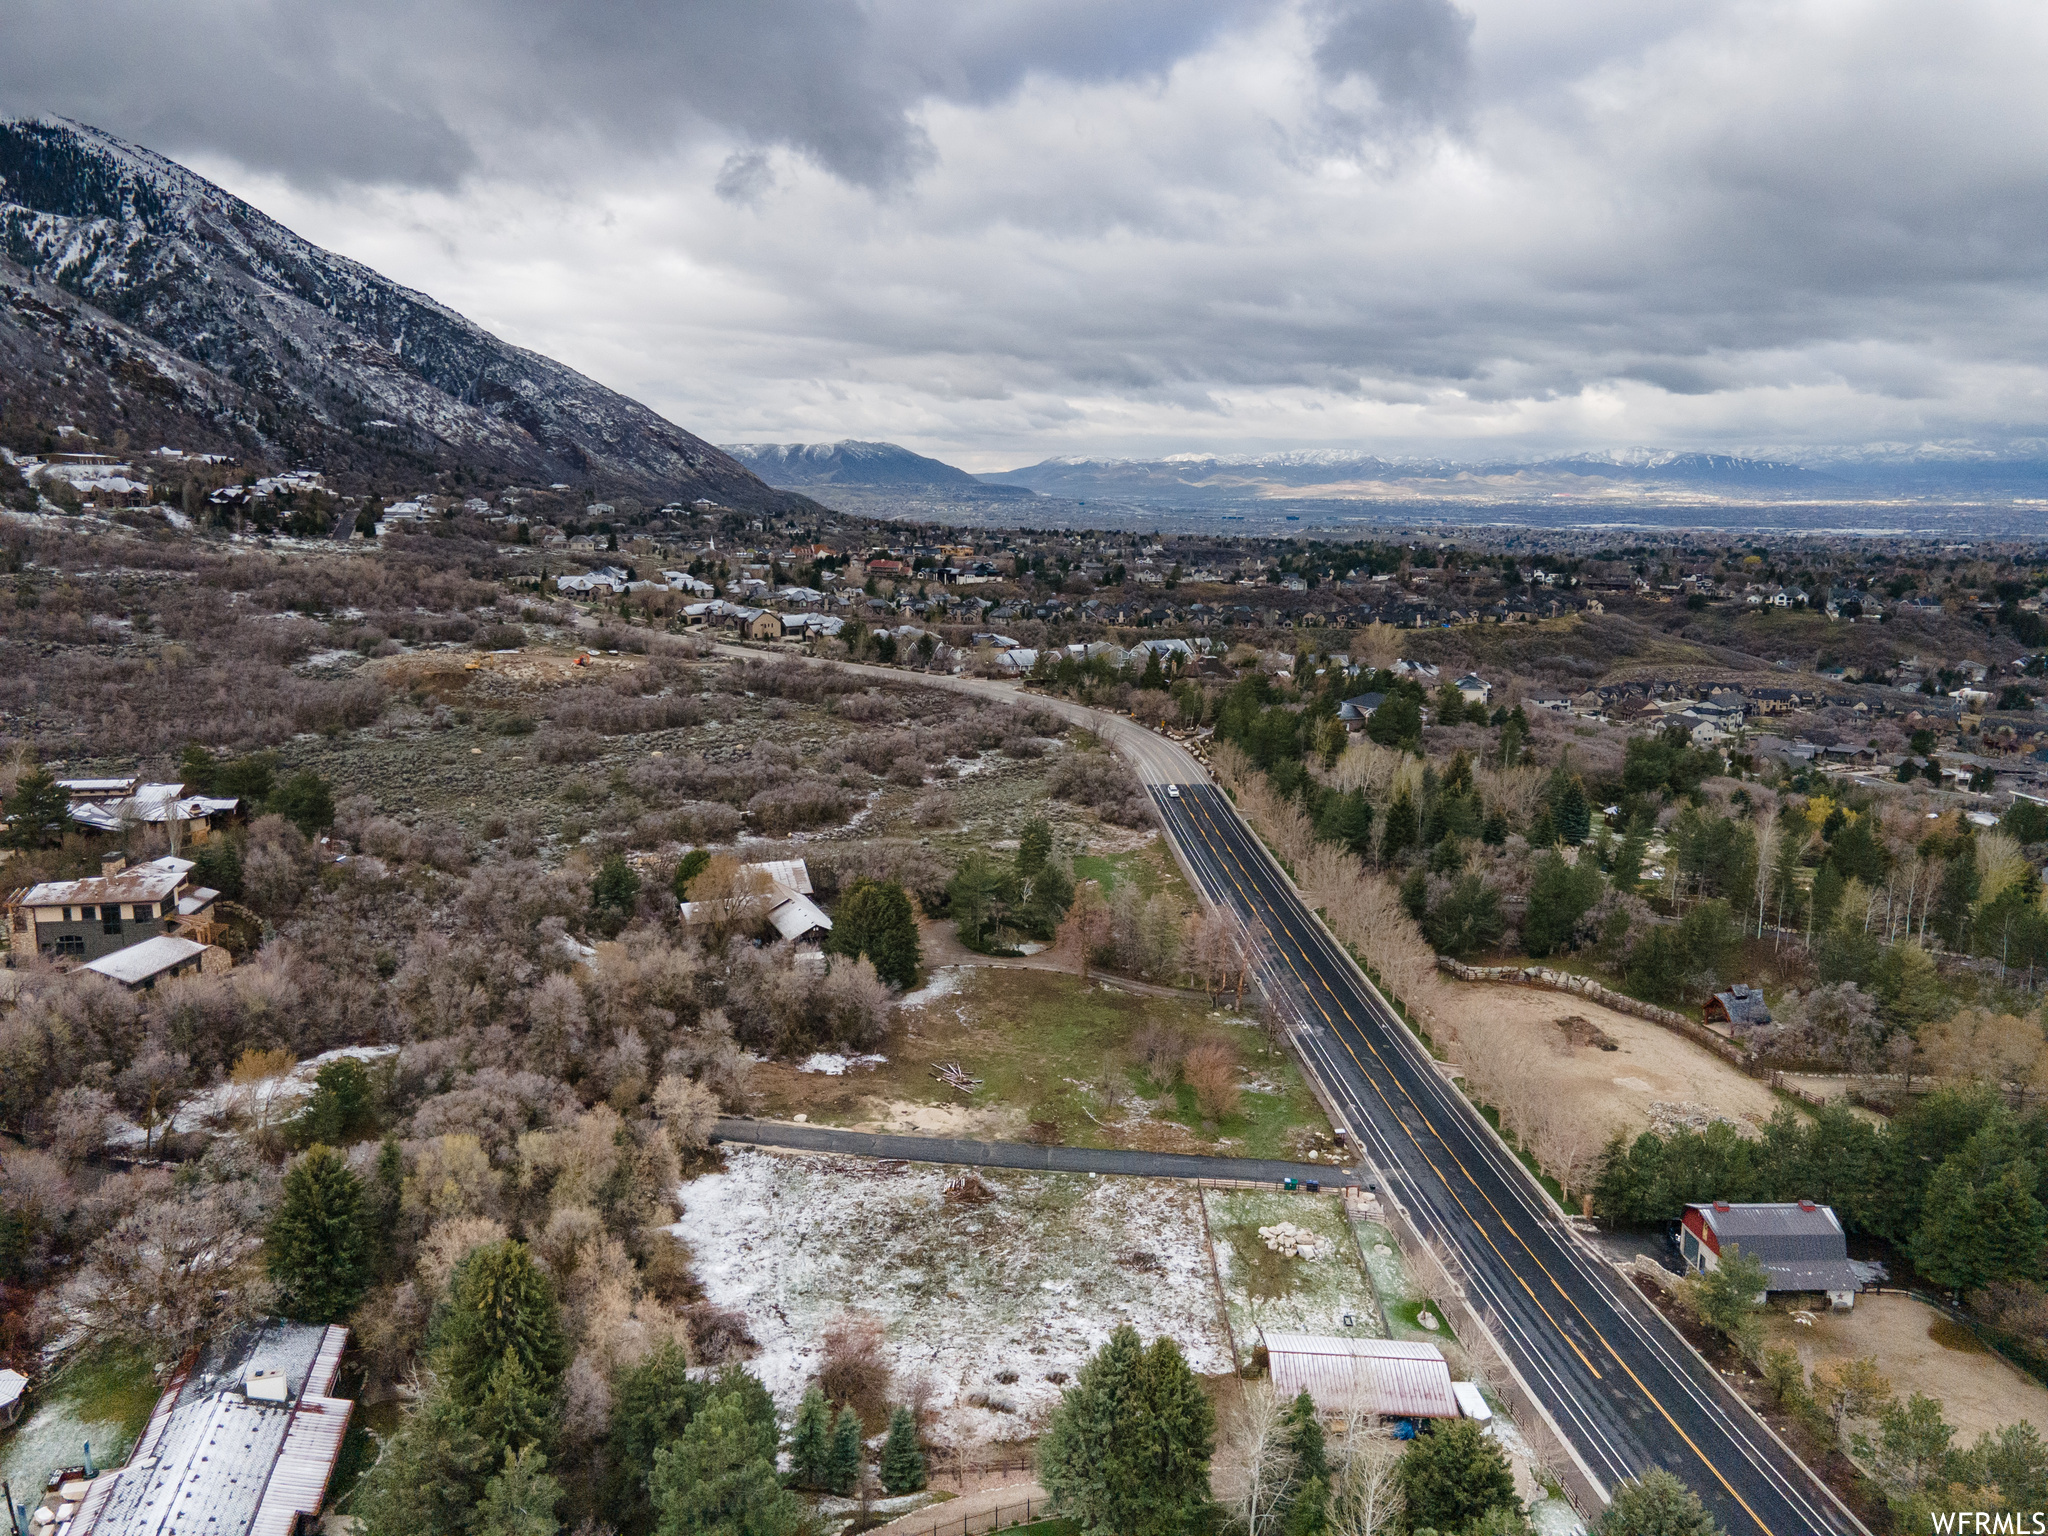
[(1801, 1245)]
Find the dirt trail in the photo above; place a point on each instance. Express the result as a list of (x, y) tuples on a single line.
[(1011, 1504)]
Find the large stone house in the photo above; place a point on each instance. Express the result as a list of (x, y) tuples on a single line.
[(92, 918)]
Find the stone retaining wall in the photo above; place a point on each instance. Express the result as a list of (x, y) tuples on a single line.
[(1606, 997)]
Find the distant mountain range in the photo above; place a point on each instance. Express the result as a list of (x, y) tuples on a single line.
[(832, 469), (138, 299), (1339, 475)]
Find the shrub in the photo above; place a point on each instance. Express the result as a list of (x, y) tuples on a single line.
[(1210, 1068), (560, 746), (854, 1373)]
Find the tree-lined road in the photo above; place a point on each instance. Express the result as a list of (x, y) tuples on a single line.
[(1624, 1392)]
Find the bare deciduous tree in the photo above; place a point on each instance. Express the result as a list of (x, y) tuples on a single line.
[(166, 1277), (1365, 1496), (1256, 1469)]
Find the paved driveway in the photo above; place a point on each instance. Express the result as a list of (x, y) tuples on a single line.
[(1014, 1154)]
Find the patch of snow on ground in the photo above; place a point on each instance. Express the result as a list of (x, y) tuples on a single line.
[(331, 658), (1031, 1282), (270, 1099), (943, 982), (833, 1064)]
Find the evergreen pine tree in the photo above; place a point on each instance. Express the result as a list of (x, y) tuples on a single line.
[(1543, 831), (38, 812), (810, 1442), (429, 1477), (1308, 1513), (843, 1461), (317, 1249), (652, 1404), (512, 1414), (902, 1455), (1090, 1459), (1826, 896), (1628, 863), (521, 1499), (1034, 847), (717, 1479), (500, 1299), (1656, 1504), (1452, 1475), (1153, 676), (1945, 1246), (1573, 815), (2011, 1227), (1403, 827), (875, 919), (383, 1201), (1180, 1433)]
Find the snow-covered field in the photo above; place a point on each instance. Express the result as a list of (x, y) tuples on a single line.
[(1028, 1284)]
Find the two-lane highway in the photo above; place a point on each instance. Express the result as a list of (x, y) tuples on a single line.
[(1625, 1393)]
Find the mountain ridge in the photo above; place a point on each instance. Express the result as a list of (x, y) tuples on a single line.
[(863, 468), (324, 350)]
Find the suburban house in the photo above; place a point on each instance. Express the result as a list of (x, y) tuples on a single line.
[(1355, 712), (1476, 689), (92, 918), (242, 1443), (198, 816), (783, 889), (1800, 1244), (1738, 1005), (1379, 1376)]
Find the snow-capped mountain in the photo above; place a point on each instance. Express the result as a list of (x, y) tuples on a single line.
[(282, 346), (1345, 474), (853, 464)]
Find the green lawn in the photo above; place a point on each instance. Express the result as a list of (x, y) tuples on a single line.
[(1151, 869), (1045, 1044), (104, 1397)]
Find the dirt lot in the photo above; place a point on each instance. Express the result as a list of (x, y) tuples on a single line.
[(1920, 1351), (1048, 1047), (1584, 1084)]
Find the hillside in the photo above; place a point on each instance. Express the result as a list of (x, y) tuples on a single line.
[(247, 334)]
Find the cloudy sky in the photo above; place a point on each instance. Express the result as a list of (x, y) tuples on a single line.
[(1013, 229)]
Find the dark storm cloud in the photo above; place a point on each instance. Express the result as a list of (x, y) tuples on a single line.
[(422, 93), (1417, 54)]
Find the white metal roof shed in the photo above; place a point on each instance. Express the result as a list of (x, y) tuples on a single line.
[(148, 960), (1382, 1376)]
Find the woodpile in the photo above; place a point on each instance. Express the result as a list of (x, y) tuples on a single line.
[(953, 1075)]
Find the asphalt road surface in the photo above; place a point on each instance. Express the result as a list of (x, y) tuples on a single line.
[(1626, 1394), (1012, 1154), (1156, 759)]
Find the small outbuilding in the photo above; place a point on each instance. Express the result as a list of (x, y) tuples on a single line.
[(1800, 1244), (1739, 1006), (1379, 1376), (13, 1390), (141, 966)]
